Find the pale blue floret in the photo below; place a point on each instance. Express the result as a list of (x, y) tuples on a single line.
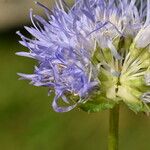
[(64, 44)]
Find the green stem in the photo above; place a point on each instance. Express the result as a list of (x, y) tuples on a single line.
[(113, 128)]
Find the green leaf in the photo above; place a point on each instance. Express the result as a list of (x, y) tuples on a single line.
[(97, 104)]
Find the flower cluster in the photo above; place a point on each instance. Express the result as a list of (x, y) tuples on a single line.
[(95, 44)]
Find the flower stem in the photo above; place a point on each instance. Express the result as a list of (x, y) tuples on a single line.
[(113, 128)]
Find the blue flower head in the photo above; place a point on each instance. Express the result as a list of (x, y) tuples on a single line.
[(94, 54)]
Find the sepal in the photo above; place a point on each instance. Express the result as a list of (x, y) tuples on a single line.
[(97, 103)]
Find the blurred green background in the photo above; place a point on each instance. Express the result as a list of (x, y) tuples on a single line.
[(27, 121)]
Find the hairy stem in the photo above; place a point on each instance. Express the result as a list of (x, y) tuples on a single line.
[(113, 128)]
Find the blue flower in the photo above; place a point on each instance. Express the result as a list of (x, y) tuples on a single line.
[(77, 48)]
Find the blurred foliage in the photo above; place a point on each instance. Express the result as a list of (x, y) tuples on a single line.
[(9, 16)]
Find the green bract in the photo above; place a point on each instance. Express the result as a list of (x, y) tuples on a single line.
[(122, 80)]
